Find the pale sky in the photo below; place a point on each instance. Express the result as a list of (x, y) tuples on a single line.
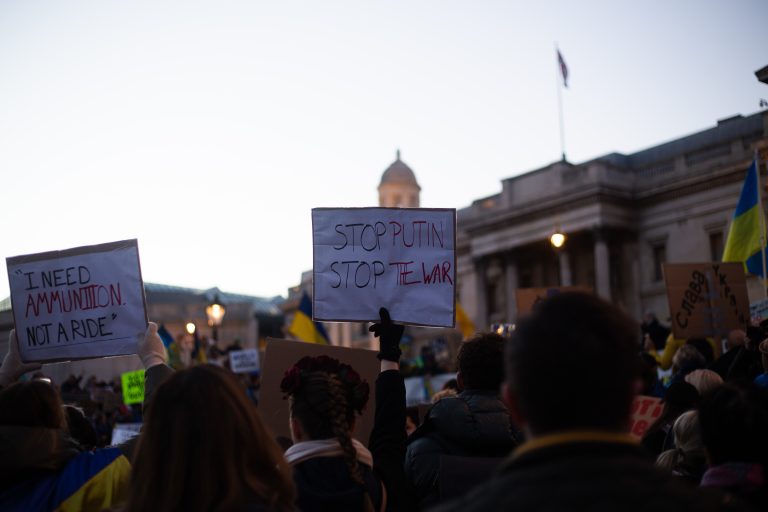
[(208, 130)]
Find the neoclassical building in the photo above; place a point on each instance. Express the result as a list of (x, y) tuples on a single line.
[(623, 215)]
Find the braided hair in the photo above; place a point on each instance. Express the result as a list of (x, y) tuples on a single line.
[(325, 394)]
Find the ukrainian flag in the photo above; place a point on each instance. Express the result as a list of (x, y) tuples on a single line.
[(463, 323), (304, 328), (748, 227)]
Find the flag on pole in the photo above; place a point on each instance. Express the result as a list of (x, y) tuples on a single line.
[(302, 326), (747, 232), (563, 68)]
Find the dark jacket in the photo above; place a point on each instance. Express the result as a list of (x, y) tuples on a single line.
[(473, 424), (324, 484), (589, 474)]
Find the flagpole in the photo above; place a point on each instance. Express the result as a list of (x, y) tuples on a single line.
[(762, 223), (560, 102)]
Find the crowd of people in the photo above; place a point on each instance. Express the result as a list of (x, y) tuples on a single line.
[(537, 421)]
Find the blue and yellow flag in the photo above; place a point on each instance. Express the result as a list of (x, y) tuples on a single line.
[(748, 227), (303, 327)]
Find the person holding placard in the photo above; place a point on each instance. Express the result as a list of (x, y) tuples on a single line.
[(41, 466), (332, 470)]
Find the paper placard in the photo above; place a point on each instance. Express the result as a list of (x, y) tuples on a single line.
[(403, 259), (281, 354), (527, 298), (133, 387), (79, 303), (124, 431), (706, 299), (645, 410), (244, 361)]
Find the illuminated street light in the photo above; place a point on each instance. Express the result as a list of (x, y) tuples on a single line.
[(215, 312), (190, 328), (557, 239)]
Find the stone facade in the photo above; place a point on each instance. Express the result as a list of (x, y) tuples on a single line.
[(623, 216)]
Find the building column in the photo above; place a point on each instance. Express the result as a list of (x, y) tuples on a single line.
[(481, 295), (602, 267), (512, 285), (565, 268)]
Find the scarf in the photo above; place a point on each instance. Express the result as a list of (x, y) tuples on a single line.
[(305, 450)]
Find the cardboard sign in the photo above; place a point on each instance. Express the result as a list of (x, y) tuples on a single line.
[(403, 259), (645, 410), (244, 361), (124, 431), (281, 354), (79, 303), (706, 299), (133, 387), (527, 298)]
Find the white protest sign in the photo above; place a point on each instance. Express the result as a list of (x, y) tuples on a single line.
[(244, 361), (403, 259), (79, 303), (124, 431)]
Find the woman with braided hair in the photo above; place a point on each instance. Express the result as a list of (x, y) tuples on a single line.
[(332, 470)]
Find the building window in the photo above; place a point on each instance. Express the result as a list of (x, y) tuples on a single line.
[(716, 246), (659, 258)]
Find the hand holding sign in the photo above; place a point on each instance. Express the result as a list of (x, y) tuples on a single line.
[(151, 349), (13, 367), (389, 335)]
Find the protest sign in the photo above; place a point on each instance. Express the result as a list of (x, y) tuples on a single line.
[(79, 303), (124, 431), (133, 387), (403, 259), (281, 354), (244, 361), (758, 311), (527, 298), (645, 410), (706, 299)]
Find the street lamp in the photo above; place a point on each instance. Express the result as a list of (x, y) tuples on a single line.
[(215, 312), (557, 239), (190, 328)]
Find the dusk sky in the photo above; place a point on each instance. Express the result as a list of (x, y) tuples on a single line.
[(208, 130)]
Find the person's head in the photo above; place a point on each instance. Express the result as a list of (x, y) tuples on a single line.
[(734, 422), (703, 346), (572, 364), (648, 372), (687, 358), (32, 404), (325, 396), (735, 339), (204, 447), (704, 380), (687, 436), (481, 363), (80, 429)]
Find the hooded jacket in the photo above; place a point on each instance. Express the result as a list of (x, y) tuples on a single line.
[(474, 423)]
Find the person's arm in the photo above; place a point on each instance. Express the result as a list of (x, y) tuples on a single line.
[(13, 367), (153, 356), (387, 441)]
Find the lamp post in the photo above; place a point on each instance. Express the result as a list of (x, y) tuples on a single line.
[(215, 312), (557, 239)]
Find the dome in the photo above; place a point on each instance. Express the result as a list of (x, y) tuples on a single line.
[(399, 173)]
